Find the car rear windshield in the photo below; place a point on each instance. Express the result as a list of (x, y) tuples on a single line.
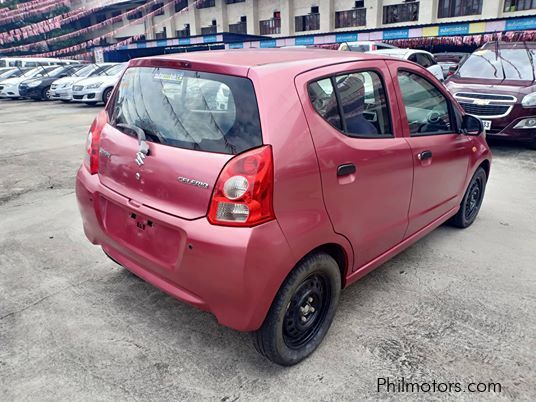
[(510, 64), (189, 109)]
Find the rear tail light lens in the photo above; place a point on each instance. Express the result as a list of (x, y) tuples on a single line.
[(243, 194), (91, 160)]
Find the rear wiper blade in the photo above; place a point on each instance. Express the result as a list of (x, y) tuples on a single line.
[(144, 150)]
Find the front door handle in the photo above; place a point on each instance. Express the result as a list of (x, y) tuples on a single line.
[(424, 155), (346, 169)]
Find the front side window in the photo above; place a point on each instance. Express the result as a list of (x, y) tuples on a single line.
[(458, 8), (189, 109), (427, 109), (358, 105)]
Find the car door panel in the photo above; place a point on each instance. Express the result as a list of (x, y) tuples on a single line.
[(370, 205), (439, 177)]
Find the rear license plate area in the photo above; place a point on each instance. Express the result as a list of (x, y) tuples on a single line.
[(143, 235)]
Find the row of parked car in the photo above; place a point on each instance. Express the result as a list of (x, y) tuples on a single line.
[(87, 83)]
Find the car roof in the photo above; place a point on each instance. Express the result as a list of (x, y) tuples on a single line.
[(242, 60), (397, 52)]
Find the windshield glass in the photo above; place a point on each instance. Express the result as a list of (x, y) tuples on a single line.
[(189, 109), (115, 70), (38, 71), (509, 64), (85, 71)]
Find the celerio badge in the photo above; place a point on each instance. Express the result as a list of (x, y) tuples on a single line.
[(193, 182)]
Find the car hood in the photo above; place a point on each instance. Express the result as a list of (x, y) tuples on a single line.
[(14, 81), (105, 79), (518, 89), (43, 80), (68, 80)]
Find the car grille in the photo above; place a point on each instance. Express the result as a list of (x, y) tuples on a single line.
[(78, 88), (485, 96), (485, 110), (78, 97)]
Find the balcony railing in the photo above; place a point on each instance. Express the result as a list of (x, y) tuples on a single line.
[(270, 27), (351, 18), (211, 30), (310, 22), (183, 33), (239, 28)]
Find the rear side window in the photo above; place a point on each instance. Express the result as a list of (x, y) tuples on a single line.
[(358, 105), (189, 109)]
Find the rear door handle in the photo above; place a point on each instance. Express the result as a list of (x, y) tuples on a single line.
[(346, 169), (424, 155)]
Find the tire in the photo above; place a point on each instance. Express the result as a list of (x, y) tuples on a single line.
[(472, 200), (302, 311), (45, 94), (106, 95)]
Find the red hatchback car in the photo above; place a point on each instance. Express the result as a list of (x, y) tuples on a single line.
[(255, 184)]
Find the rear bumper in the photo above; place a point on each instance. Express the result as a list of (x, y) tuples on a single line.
[(234, 273)]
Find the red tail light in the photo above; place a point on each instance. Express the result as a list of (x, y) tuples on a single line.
[(91, 160), (243, 194)]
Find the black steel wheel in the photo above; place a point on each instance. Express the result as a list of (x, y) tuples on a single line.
[(301, 312), (472, 200)]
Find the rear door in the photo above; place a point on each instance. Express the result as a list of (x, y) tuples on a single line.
[(171, 132), (440, 154), (365, 163)]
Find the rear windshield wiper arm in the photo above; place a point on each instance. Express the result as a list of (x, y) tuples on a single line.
[(142, 139)]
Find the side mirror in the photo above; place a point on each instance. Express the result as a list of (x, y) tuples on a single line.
[(452, 70), (472, 125)]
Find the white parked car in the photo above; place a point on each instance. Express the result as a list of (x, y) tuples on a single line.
[(10, 87), (62, 89), (364, 46), (93, 90), (424, 58)]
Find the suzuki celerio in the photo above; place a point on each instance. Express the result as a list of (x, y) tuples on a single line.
[(256, 184)]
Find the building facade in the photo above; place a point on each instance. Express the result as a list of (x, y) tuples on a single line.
[(283, 18)]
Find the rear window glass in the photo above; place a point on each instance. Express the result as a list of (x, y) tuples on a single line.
[(189, 109)]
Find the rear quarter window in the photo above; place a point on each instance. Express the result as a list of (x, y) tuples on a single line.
[(189, 109)]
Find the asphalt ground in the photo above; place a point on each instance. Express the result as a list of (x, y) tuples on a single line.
[(459, 306)]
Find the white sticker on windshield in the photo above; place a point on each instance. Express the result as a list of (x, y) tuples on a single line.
[(175, 77)]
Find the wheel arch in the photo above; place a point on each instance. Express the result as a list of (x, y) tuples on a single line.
[(486, 165), (334, 250)]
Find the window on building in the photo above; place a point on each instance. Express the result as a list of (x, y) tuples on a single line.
[(458, 8), (310, 22), (401, 13), (135, 16), (240, 27), (116, 13), (181, 5), (210, 30), (234, 1), (519, 5), (351, 18), (359, 4), (101, 18), (185, 32), (315, 10), (271, 26), (358, 105), (206, 4)]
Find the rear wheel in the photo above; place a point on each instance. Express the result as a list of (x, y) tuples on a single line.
[(472, 200), (301, 312)]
